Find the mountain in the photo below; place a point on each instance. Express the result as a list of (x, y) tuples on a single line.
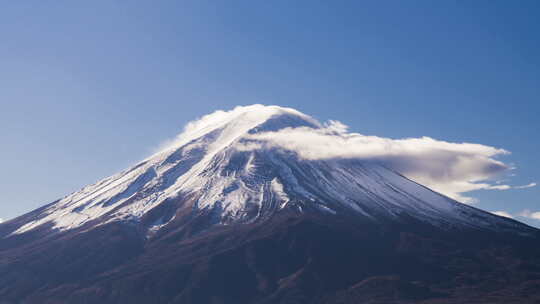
[(218, 217)]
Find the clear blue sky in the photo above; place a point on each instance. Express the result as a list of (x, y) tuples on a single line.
[(88, 88)]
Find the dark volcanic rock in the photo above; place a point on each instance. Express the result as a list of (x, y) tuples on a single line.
[(292, 258)]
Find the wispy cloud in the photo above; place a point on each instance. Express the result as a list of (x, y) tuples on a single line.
[(530, 214), (526, 186), (503, 213), (450, 168), (535, 215)]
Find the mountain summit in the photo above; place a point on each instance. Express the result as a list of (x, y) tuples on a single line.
[(220, 216), (209, 167)]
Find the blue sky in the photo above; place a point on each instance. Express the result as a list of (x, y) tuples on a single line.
[(89, 88)]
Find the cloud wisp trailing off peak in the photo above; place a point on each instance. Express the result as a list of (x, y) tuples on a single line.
[(530, 214), (526, 186), (503, 213), (450, 168), (534, 215)]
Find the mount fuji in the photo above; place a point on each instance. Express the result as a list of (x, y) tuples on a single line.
[(218, 216)]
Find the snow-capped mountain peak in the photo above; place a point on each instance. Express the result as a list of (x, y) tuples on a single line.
[(207, 169), (239, 122)]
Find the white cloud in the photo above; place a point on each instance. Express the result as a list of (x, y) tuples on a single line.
[(503, 213), (526, 186), (530, 214), (1, 221), (449, 168)]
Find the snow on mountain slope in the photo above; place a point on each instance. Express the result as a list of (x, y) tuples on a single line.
[(208, 162)]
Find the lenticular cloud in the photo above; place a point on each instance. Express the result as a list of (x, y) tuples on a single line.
[(449, 168)]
